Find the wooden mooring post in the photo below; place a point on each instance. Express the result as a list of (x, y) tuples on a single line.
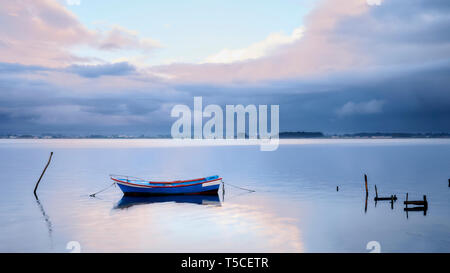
[(391, 198), (423, 203), (42, 174), (419, 205), (365, 179)]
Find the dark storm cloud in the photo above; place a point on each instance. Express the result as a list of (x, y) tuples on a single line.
[(400, 31), (384, 99), (30, 104), (417, 99)]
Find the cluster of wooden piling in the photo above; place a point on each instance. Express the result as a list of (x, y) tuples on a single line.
[(377, 198), (420, 205)]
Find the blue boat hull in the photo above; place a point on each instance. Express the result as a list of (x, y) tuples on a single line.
[(209, 185), (197, 189)]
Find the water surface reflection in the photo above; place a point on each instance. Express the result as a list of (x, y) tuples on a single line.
[(295, 207), (129, 201)]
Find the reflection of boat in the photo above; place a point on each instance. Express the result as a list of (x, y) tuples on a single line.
[(128, 201), (138, 186)]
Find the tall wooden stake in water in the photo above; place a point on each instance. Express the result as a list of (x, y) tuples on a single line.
[(48, 163), (365, 179)]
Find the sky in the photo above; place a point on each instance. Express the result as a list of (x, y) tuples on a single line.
[(118, 67), (191, 31)]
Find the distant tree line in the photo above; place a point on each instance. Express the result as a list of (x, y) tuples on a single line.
[(299, 134)]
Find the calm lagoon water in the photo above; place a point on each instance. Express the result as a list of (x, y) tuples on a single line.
[(295, 208)]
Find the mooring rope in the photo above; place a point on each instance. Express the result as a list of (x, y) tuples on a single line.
[(249, 190), (238, 187), (93, 195)]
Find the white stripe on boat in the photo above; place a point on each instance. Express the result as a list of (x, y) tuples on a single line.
[(212, 183)]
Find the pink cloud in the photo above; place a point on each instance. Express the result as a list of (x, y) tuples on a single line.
[(119, 37), (317, 52), (42, 32), (38, 32)]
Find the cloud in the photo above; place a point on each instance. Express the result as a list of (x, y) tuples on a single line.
[(256, 50), (44, 32), (373, 2), (395, 100), (38, 32), (318, 51), (339, 36), (20, 68), (73, 2), (94, 71), (401, 32), (356, 68), (120, 38), (369, 107), (59, 101)]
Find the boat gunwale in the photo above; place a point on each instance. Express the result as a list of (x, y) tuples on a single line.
[(175, 186), (156, 182)]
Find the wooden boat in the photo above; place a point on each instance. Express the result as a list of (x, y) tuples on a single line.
[(134, 186)]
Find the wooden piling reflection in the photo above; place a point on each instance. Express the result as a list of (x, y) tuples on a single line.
[(365, 207), (46, 219)]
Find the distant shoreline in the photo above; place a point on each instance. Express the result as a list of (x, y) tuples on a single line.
[(166, 143), (282, 135)]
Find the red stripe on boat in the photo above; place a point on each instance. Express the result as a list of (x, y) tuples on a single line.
[(179, 181), (145, 186)]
